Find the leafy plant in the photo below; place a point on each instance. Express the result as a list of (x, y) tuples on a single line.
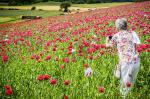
[(33, 8), (65, 5)]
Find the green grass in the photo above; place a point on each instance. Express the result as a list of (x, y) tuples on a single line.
[(15, 15), (28, 12), (9, 19)]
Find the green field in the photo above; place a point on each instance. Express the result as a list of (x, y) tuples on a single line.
[(48, 58), (48, 9), (15, 15)]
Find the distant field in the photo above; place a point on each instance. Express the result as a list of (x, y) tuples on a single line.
[(50, 9), (28, 12), (55, 6), (8, 19), (101, 5), (15, 15)]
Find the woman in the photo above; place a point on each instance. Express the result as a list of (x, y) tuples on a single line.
[(129, 61)]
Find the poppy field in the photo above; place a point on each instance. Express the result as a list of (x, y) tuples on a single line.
[(47, 58)]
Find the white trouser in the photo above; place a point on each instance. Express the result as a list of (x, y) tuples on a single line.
[(128, 74)]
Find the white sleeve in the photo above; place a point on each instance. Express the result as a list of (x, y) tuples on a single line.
[(136, 39)]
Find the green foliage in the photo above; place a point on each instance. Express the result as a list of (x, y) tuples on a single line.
[(26, 2), (65, 5), (80, 2), (22, 2), (12, 2), (33, 8), (45, 0), (98, 1)]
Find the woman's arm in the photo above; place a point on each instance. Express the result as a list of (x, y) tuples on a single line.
[(110, 41)]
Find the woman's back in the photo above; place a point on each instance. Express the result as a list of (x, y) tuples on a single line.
[(125, 45)]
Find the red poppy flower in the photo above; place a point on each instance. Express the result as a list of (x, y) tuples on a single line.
[(69, 53), (48, 43), (5, 58), (41, 54), (22, 39), (62, 66), (39, 60), (34, 56), (53, 81), (128, 84), (101, 89), (66, 60), (9, 92), (148, 40), (7, 87), (102, 52), (86, 65), (54, 49), (139, 50), (46, 76), (40, 77), (91, 57), (66, 97), (48, 57), (66, 82)]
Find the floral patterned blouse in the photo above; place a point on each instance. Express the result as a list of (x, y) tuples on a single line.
[(125, 41)]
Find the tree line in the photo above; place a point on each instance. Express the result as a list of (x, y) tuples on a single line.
[(25, 2)]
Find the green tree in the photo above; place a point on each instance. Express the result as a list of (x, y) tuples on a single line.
[(65, 5)]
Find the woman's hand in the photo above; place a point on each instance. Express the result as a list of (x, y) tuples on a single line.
[(107, 41)]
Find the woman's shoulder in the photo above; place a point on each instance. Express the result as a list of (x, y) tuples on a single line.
[(117, 34)]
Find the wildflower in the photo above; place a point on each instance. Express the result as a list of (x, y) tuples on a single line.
[(54, 49), (62, 66), (40, 77), (66, 60), (5, 58), (46, 76), (128, 84), (8, 90), (69, 53), (86, 65), (21, 39), (101, 89), (48, 57), (66, 82), (66, 97), (7, 87), (53, 81), (102, 52)]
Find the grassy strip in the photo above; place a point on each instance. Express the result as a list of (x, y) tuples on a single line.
[(100, 5), (15, 15)]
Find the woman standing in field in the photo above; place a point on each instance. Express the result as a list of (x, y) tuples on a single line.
[(129, 61)]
